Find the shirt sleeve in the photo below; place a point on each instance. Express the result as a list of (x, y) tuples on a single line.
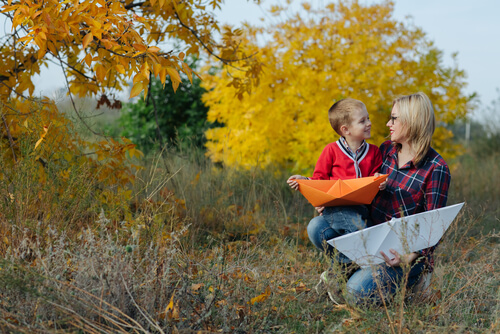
[(436, 191), (377, 160), (323, 169), (436, 197)]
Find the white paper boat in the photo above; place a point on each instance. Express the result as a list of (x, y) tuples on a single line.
[(404, 235)]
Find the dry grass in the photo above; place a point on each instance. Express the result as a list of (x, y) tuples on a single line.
[(217, 250)]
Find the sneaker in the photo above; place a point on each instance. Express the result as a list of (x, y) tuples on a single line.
[(328, 282)]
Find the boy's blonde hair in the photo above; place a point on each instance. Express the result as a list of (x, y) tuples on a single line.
[(341, 112), (417, 118)]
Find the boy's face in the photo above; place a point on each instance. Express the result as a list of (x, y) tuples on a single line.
[(360, 127)]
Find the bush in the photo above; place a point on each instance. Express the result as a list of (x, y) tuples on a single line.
[(166, 117)]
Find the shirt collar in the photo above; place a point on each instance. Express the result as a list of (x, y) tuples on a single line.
[(346, 145)]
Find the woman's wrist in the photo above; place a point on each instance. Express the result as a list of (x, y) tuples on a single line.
[(409, 258)]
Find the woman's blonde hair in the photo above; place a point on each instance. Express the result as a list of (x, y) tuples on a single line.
[(417, 118)]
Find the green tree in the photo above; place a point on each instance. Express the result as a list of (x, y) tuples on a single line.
[(165, 116)]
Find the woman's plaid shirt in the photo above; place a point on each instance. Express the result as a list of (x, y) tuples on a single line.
[(411, 189)]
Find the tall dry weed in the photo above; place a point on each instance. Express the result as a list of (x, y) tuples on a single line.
[(216, 250)]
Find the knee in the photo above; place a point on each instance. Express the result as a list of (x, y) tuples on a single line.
[(360, 287), (315, 226), (318, 231)]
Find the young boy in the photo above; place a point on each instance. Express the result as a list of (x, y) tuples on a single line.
[(347, 158)]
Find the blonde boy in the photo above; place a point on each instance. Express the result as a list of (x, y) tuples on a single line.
[(347, 158)]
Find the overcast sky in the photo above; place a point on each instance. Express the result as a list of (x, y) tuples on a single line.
[(469, 27)]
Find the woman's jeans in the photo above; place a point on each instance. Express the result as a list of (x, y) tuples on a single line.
[(371, 284), (336, 221), (366, 284)]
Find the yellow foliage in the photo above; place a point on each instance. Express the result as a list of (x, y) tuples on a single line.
[(100, 46), (342, 50)]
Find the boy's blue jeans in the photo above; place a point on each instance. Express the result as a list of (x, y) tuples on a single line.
[(336, 221)]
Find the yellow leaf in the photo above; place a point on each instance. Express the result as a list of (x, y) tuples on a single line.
[(100, 72), (262, 297), (153, 49), (42, 51), (171, 311), (163, 75), (188, 71), (136, 153), (120, 69), (156, 69), (39, 141), (138, 77), (52, 48), (139, 47), (87, 39), (136, 89), (174, 75), (170, 305), (88, 59), (175, 85)]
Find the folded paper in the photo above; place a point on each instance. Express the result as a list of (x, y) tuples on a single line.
[(404, 235), (341, 192)]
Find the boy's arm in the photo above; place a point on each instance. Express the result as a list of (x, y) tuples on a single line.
[(323, 169)]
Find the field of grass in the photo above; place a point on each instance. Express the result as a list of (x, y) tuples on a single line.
[(210, 249)]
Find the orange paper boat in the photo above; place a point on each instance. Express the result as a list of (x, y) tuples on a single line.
[(341, 192)]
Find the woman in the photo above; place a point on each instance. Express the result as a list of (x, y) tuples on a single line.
[(418, 180)]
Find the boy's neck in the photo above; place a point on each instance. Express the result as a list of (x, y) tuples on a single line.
[(353, 143)]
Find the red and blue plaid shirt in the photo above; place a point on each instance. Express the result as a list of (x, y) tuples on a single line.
[(411, 189)]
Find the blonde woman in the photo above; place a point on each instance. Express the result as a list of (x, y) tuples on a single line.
[(418, 181)]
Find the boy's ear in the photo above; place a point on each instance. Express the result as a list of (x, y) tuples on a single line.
[(344, 130)]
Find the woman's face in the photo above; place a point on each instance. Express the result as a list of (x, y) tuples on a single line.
[(395, 127)]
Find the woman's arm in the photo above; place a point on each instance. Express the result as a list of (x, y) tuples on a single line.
[(436, 189)]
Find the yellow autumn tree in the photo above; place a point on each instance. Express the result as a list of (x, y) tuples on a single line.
[(100, 46), (314, 58)]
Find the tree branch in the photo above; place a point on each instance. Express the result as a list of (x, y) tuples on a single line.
[(74, 105), (11, 141), (160, 137), (206, 47), (133, 5)]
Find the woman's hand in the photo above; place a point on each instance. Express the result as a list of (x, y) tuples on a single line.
[(320, 209), (292, 183), (398, 259)]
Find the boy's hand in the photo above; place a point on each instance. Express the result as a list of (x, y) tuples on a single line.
[(292, 183), (383, 184)]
